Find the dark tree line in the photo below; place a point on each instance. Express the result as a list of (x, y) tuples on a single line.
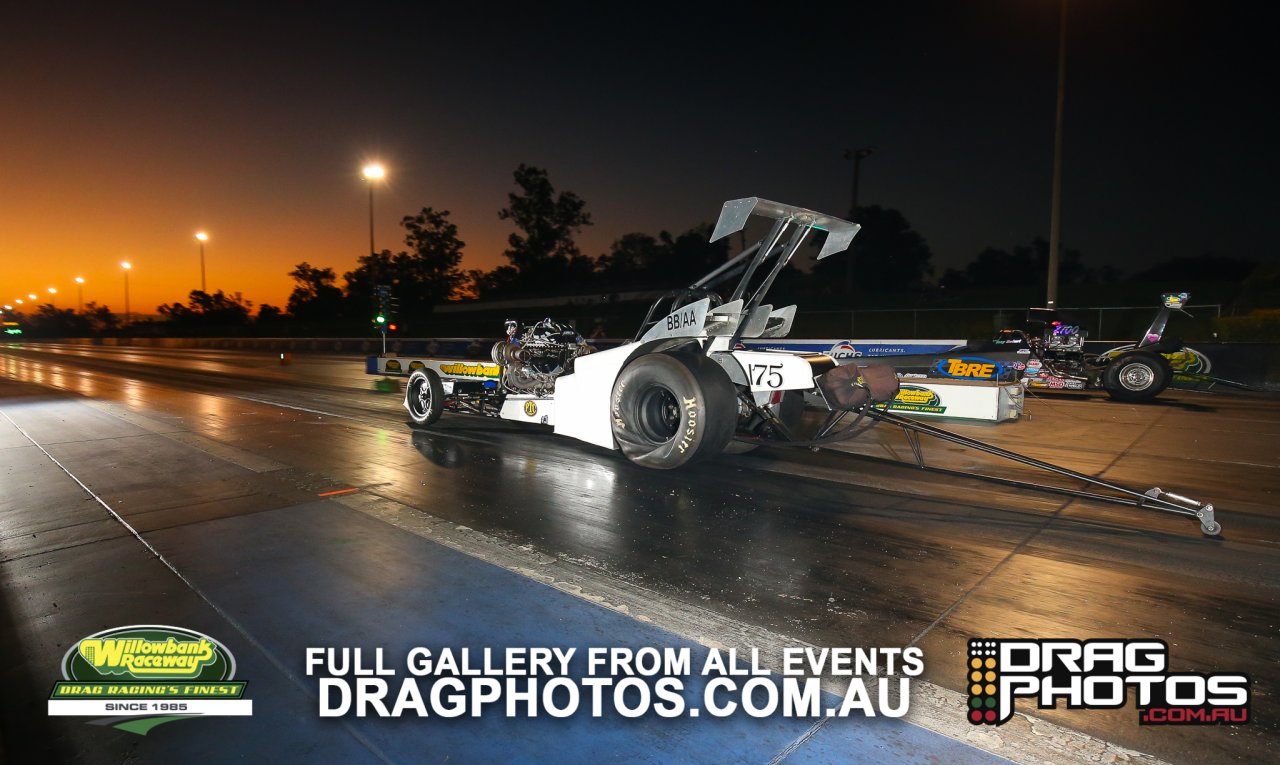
[(423, 275), (544, 260), (1025, 265)]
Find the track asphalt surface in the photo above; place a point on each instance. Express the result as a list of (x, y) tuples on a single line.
[(477, 531)]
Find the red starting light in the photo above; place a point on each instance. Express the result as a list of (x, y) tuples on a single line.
[(391, 327)]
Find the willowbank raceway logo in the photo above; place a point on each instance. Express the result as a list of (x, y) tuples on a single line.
[(913, 398), (135, 678), (1099, 674)]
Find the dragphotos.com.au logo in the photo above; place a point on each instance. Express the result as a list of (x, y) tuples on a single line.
[(1099, 674)]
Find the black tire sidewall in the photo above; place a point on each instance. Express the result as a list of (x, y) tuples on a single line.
[(705, 398), (431, 379), (1161, 371)]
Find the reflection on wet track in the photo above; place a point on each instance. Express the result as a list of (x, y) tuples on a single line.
[(820, 547)]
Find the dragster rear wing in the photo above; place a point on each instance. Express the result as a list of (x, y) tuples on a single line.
[(796, 220), (736, 212), (743, 314)]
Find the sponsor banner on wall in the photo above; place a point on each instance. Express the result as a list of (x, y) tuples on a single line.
[(852, 349)]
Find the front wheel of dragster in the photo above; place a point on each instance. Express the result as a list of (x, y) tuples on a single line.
[(670, 409), (424, 397), (1137, 376)]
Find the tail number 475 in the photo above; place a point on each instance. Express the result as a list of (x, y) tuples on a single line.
[(765, 375)]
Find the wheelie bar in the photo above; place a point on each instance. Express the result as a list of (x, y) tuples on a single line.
[(1202, 511), (1152, 499)]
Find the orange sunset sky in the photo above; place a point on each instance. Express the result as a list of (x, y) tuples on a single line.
[(127, 128)]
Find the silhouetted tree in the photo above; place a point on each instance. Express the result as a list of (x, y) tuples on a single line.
[(500, 281), (205, 310), (314, 296), (101, 320), (640, 261), (1024, 266), (425, 275), (268, 314), (371, 270), (542, 252), (1260, 288), (889, 255), (630, 256), (430, 268), (49, 321)]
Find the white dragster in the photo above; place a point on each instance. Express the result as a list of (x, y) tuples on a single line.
[(684, 387)]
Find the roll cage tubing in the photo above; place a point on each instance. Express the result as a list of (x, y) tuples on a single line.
[(798, 221)]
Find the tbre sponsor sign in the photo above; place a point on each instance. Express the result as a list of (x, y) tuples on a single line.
[(969, 368)]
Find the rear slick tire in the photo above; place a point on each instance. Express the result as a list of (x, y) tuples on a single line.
[(1137, 376), (668, 410)]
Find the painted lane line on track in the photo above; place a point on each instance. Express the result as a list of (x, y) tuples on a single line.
[(365, 422), (99, 500), (298, 408), (244, 633)]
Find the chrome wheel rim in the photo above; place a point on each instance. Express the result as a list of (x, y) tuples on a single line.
[(1137, 377), (420, 399)]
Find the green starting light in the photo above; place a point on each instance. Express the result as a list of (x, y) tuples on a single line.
[(14, 331), (381, 319)]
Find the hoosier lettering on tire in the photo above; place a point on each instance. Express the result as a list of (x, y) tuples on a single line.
[(670, 409)]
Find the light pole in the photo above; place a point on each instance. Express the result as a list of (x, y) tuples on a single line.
[(857, 155), (80, 293), (53, 297), (1055, 224), (202, 237), (126, 266), (372, 172)]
